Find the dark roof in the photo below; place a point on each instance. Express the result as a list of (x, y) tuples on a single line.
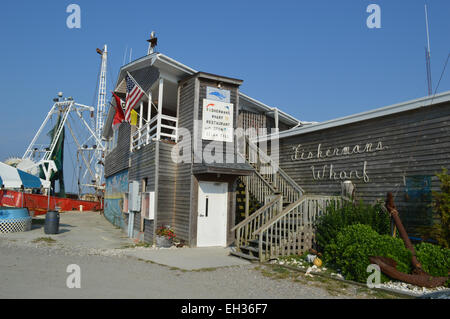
[(145, 77), (215, 77), (224, 168)]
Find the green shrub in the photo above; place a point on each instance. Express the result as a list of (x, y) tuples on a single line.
[(353, 245), (435, 260), (336, 218), (441, 206)]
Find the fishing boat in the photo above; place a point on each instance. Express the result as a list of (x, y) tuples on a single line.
[(31, 181), (20, 189)]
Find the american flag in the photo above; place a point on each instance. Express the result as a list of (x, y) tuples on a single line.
[(134, 94)]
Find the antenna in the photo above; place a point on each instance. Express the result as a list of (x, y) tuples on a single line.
[(131, 52), (428, 55), (125, 55)]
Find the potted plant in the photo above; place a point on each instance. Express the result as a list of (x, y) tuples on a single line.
[(165, 236)]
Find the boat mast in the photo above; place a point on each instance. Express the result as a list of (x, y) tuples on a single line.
[(100, 117)]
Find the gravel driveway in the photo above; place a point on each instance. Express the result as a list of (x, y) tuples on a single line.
[(33, 265), (40, 272)]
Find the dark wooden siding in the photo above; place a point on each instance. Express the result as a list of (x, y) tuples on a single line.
[(166, 188), (259, 120), (417, 144), (118, 159), (143, 166), (182, 205), (228, 148)]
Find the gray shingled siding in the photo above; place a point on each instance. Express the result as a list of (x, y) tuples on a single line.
[(227, 147), (167, 188), (118, 159), (182, 204), (417, 142), (143, 166)]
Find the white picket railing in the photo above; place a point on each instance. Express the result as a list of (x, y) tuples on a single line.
[(149, 131), (292, 231)]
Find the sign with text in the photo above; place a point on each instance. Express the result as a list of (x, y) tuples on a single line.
[(217, 121)]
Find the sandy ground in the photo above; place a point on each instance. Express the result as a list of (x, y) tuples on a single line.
[(32, 267)]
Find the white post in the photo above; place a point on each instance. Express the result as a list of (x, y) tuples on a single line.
[(276, 118), (141, 115), (160, 104), (149, 115)]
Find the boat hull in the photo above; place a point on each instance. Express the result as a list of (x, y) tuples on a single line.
[(38, 204)]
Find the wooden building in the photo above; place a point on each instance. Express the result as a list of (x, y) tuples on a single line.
[(186, 118), (398, 148), (169, 121)]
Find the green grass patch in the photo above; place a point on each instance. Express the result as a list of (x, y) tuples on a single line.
[(47, 240)]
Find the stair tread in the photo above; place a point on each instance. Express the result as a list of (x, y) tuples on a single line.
[(242, 255), (254, 249)]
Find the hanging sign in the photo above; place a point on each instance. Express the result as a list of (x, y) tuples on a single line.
[(217, 121)]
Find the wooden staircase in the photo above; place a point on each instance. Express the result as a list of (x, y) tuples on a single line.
[(274, 230), (284, 224), (268, 179)]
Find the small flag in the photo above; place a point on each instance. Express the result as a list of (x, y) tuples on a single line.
[(134, 117), (119, 117), (134, 94)]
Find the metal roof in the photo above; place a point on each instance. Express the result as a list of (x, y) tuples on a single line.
[(375, 113)]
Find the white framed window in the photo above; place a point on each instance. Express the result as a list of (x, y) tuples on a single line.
[(148, 205)]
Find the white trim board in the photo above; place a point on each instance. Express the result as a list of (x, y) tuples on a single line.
[(354, 118)]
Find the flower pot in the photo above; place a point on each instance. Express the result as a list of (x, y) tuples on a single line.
[(164, 242)]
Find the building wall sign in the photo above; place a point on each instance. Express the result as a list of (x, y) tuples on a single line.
[(329, 171), (217, 121), (216, 94)]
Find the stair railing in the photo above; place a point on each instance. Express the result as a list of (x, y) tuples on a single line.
[(245, 229), (292, 231), (272, 173), (258, 186)]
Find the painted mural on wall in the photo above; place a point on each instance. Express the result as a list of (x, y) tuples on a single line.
[(116, 186), (417, 213)]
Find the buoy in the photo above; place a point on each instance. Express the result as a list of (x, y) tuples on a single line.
[(317, 261)]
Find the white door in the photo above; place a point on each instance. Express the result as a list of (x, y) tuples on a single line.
[(212, 214)]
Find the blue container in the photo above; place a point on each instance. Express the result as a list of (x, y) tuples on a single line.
[(14, 220), (13, 213)]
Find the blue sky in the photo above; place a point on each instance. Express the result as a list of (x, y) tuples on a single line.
[(316, 60)]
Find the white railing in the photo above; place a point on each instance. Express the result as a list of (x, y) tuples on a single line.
[(270, 177), (292, 231), (245, 230), (150, 131)]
